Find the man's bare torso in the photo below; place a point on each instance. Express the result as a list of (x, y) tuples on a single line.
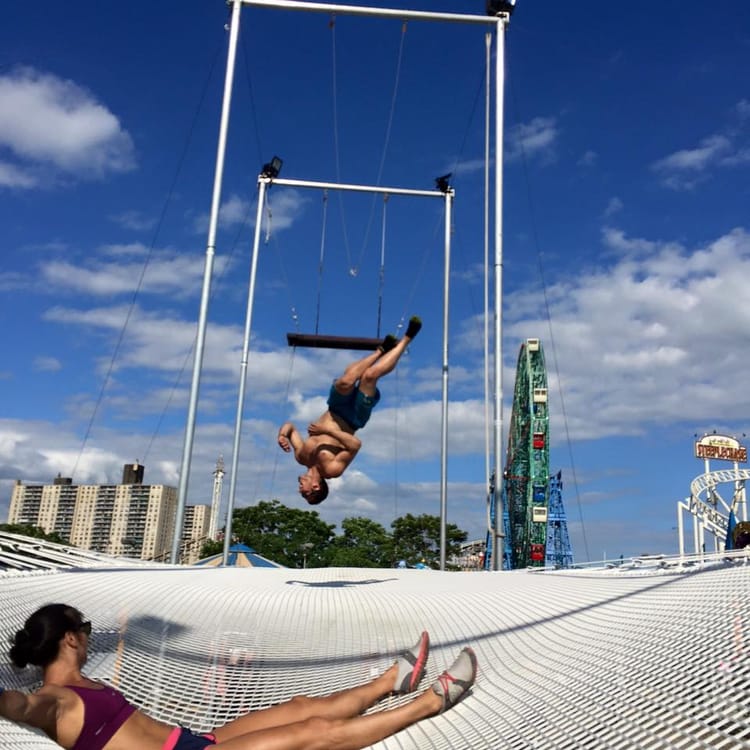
[(320, 449)]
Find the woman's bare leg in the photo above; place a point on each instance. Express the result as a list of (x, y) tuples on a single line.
[(341, 705), (318, 733)]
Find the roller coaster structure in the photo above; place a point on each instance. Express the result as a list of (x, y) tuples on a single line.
[(712, 514), (527, 490)]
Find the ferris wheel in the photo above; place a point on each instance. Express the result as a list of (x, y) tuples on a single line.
[(526, 475)]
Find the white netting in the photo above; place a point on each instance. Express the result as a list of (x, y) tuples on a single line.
[(624, 658)]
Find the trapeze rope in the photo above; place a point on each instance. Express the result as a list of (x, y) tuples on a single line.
[(320, 261), (381, 279), (386, 144), (355, 266), (332, 27)]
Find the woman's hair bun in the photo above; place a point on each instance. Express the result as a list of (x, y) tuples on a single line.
[(20, 652)]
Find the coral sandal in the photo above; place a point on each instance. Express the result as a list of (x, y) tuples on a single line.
[(411, 665), (455, 682)]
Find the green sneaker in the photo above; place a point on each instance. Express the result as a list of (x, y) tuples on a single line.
[(414, 327), (388, 343)]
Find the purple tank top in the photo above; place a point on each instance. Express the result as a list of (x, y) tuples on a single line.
[(105, 710)]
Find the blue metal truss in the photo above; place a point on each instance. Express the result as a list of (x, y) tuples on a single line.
[(559, 551)]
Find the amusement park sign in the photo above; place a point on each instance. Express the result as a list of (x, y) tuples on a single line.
[(721, 447)]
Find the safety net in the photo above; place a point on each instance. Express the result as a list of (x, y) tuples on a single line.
[(647, 654)]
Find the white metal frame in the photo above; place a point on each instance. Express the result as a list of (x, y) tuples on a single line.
[(263, 183), (500, 23), (710, 513)]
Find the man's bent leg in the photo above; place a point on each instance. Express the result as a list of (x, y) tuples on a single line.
[(353, 372), (387, 363)]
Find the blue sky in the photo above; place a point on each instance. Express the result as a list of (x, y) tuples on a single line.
[(626, 244)]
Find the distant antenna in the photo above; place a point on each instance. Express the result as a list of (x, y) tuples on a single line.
[(216, 499)]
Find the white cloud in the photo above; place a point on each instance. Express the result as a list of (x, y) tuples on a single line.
[(132, 249), (736, 159), (616, 240), (234, 211), (614, 206), (281, 211), (465, 167), (687, 168), (696, 158), (37, 451), (12, 280), (49, 122), (588, 159), (651, 340), (533, 139), (167, 272), (134, 220), (284, 209), (14, 177), (47, 364)]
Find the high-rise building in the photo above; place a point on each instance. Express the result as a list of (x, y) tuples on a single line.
[(194, 532), (129, 519)]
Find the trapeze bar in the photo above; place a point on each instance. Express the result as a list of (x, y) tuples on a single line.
[(332, 342), (360, 10), (355, 188)]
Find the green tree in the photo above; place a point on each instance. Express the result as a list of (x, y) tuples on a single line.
[(211, 547), (34, 531), (288, 536), (363, 544), (417, 539)]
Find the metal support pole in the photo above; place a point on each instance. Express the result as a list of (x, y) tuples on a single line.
[(262, 185), (200, 338), (499, 546), (444, 420)]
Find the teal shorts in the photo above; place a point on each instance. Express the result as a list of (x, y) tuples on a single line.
[(354, 408)]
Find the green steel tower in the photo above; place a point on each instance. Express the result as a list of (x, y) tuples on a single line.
[(526, 475)]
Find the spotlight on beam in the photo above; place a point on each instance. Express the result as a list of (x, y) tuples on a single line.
[(443, 183), (272, 169), (496, 7)]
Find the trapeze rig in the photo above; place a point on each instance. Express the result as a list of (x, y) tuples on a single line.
[(498, 14)]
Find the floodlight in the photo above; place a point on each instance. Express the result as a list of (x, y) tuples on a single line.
[(496, 7), (272, 169), (442, 183)]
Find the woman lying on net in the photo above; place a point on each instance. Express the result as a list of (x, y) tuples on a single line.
[(82, 714)]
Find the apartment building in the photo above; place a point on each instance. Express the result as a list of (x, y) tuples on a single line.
[(194, 532), (130, 519)]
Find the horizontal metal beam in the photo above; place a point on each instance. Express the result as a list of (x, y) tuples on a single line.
[(360, 10), (354, 188)]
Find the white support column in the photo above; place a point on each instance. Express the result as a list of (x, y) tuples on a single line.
[(263, 183), (499, 545), (444, 421), (200, 339)]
